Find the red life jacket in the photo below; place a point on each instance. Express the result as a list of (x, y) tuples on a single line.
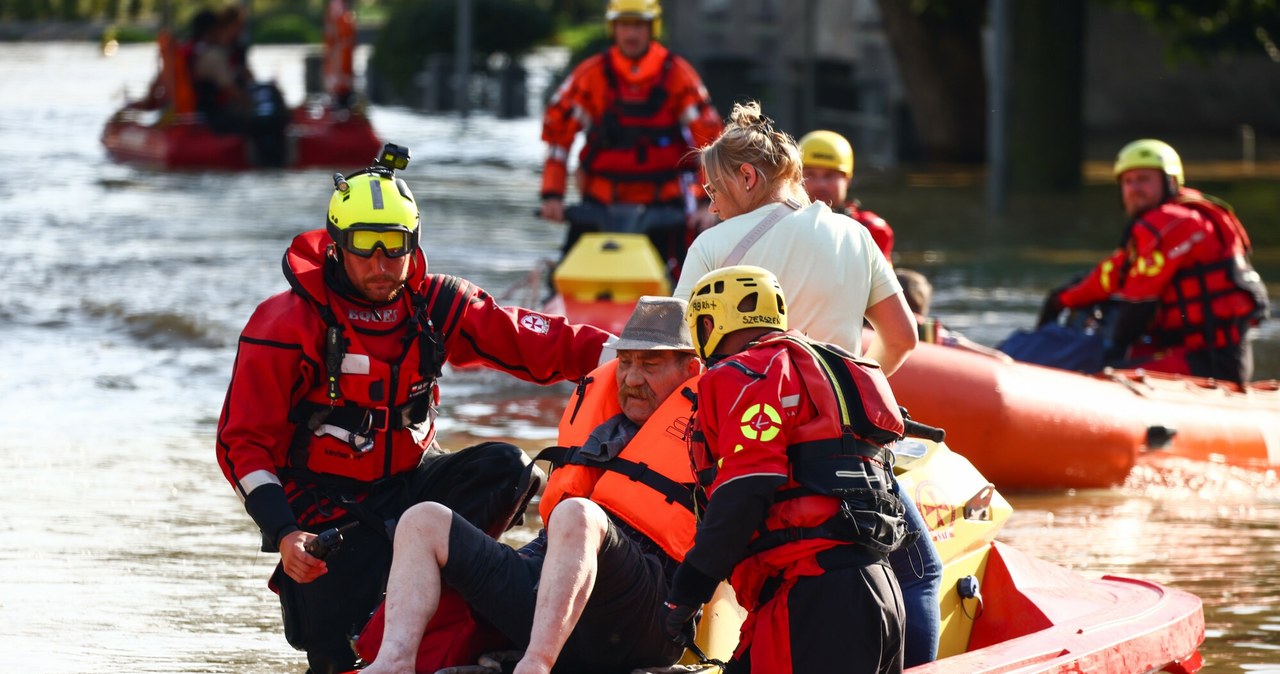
[(369, 418), (649, 485), (838, 463), (640, 137), (880, 230), (1210, 303)]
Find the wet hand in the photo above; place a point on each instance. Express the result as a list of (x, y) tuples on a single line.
[(297, 562), (552, 209)]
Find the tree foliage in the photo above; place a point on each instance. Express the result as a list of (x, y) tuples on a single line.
[(416, 29), (1200, 29)]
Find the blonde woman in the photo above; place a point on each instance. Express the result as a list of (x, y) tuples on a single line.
[(832, 269)]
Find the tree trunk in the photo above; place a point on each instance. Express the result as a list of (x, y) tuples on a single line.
[(1046, 137), (940, 62)]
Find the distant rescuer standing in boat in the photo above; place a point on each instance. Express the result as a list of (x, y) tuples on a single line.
[(619, 517), (644, 111), (1186, 293), (329, 416), (790, 443)]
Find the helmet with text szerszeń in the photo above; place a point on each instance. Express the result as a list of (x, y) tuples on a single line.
[(373, 209), (827, 149), (1153, 154), (647, 10), (734, 298)]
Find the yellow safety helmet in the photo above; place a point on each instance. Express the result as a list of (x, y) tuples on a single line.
[(373, 209), (735, 298), (827, 149), (1150, 153), (649, 10)]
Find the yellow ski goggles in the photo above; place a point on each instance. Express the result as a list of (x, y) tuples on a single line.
[(363, 240)]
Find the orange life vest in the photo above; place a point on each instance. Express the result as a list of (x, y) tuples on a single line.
[(649, 485), (175, 73), (339, 48)]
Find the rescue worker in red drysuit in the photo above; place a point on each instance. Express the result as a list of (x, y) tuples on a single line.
[(1186, 292), (644, 111), (619, 514), (828, 167), (329, 416), (782, 425)]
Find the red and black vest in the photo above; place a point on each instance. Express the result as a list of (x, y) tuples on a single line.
[(369, 418), (1209, 304), (640, 137), (840, 483)]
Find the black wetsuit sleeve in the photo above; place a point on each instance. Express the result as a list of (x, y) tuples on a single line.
[(269, 508), (736, 511)]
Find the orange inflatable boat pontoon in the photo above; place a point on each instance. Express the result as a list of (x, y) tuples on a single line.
[(1032, 427)]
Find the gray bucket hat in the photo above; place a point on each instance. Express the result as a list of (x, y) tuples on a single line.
[(656, 324)]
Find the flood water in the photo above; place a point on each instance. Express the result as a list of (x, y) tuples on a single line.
[(123, 549)]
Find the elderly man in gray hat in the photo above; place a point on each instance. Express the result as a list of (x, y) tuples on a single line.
[(619, 518)]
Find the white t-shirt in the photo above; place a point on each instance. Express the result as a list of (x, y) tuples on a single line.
[(828, 264)]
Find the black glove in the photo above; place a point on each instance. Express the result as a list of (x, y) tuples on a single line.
[(1052, 307), (678, 622)]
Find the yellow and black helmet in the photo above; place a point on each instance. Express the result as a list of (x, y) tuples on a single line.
[(827, 149), (648, 10), (735, 298), (373, 209), (1150, 153)]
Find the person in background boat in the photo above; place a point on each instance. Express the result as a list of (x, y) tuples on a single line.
[(790, 442), (827, 158), (221, 93), (329, 419), (919, 294), (619, 518), (228, 96), (837, 276), (643, 111), (1186, 295), (172, 87)]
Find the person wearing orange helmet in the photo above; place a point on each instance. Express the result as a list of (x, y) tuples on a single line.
[(643, 111), (1185, 292), (828, 167)]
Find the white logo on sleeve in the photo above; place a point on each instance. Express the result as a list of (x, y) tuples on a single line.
[(536, 322)]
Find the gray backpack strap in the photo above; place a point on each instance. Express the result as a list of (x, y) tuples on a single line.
[(783, 209)]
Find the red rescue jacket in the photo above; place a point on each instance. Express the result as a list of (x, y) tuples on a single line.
[(787, 406), (643, 119), (333, 391), (1192, 255), (880, 230)]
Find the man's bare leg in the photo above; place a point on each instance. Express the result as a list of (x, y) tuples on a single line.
[(575, 534), (413, 587)]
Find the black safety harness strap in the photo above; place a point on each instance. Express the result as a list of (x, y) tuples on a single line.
[(674, 492)]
